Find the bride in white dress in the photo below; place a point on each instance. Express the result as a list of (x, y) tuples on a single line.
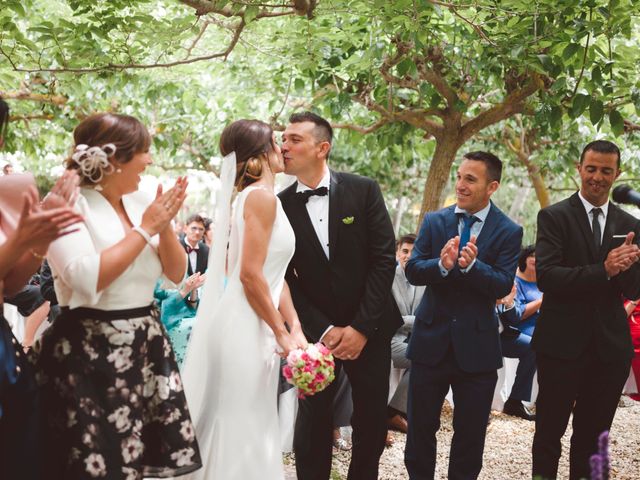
[(231, 368)]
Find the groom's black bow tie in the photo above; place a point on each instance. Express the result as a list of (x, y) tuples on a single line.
[(304, 196)]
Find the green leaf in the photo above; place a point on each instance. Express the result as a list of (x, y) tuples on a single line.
[(596, 110), (570, 50), (404, 66), (545, 61), (580, 104), (555, 117), (250, 13), (617, 122), (596, 75)]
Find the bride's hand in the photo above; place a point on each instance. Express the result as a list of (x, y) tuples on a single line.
[(286, 343), (299, 338)]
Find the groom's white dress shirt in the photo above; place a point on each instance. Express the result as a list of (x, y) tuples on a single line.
[(318, 210)]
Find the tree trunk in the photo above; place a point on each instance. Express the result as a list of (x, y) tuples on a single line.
[(518, 205), (542, 192), (443, 158), (397, 218)]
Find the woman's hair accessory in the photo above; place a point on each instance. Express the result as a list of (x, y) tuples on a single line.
[(93, 162)]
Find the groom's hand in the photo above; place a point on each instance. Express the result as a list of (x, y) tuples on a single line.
[(351, 345), (333, 337)]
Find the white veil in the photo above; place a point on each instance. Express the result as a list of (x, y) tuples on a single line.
[(194, 372), (214, 283)]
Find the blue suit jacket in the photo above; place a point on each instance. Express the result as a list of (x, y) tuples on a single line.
[(458, 310)]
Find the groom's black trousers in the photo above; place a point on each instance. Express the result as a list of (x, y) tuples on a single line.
[(313, 438)]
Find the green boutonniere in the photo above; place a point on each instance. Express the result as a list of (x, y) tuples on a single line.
[(348, 220)]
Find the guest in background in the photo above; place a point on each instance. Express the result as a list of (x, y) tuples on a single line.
[(208, 232), (408, 298), (527, 293), (517, 344), (113, 401), (7, 169), (197, 251), (178, 228), (32, 306), (48, 291), (177, 313), (632, 308)]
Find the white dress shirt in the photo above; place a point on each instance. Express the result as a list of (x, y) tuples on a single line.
[(193, 255), (602, 218), (318, 210)]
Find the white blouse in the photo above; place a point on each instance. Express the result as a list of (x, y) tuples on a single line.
[(75, 258)]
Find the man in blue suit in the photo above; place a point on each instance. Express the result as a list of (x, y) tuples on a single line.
[(466, 255)]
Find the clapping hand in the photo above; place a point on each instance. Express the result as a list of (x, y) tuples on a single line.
[(157, 217), (449, 253), (64, 193), (468, 253), (193, 282), (509, 299), (37, 227), (623, 257)]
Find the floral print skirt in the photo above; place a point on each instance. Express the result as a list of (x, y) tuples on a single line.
[(114, 407)]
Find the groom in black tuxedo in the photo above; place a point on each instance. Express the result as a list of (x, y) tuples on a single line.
[(340, 279)]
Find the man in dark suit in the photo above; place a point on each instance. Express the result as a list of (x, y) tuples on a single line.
[(466, 255), (197, 250), (582, 340), (340, 279)]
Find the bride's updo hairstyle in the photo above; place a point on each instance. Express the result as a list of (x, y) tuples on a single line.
[(102, 141), (251, 140)]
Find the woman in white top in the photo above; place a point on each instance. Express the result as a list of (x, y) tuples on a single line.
[(112, 396)]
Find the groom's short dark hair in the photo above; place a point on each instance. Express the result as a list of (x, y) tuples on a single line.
[(323, 131)]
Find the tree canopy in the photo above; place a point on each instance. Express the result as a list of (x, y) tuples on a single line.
[(409, 84)]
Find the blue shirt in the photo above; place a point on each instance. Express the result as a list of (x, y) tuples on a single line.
[(527, 292), (476, 228)]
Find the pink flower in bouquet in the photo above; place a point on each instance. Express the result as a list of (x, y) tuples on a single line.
[(310, 370)]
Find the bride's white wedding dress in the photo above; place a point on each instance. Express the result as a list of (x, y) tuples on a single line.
[(231, 369)]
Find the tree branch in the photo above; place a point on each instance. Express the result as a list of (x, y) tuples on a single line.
[(361, 129), (28, 118), (137, 66), (514, 103), (433, 76), (57, 100)]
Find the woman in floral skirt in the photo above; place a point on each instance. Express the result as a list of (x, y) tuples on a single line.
[(112, 396)]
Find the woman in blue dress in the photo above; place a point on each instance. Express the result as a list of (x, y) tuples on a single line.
[(178, 311), (528, 297)]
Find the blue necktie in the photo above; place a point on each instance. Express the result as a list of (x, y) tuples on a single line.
[(465, 235)]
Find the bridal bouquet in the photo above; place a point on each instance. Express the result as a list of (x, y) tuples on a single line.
[(310, 370)]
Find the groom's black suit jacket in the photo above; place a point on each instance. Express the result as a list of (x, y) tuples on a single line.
[(353, 287)]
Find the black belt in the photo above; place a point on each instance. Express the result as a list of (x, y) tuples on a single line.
[(106, 315)]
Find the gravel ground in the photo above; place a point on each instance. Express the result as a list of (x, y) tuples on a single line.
[(507, 454)]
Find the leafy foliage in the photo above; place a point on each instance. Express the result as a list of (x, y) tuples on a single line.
[(408, 82)]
